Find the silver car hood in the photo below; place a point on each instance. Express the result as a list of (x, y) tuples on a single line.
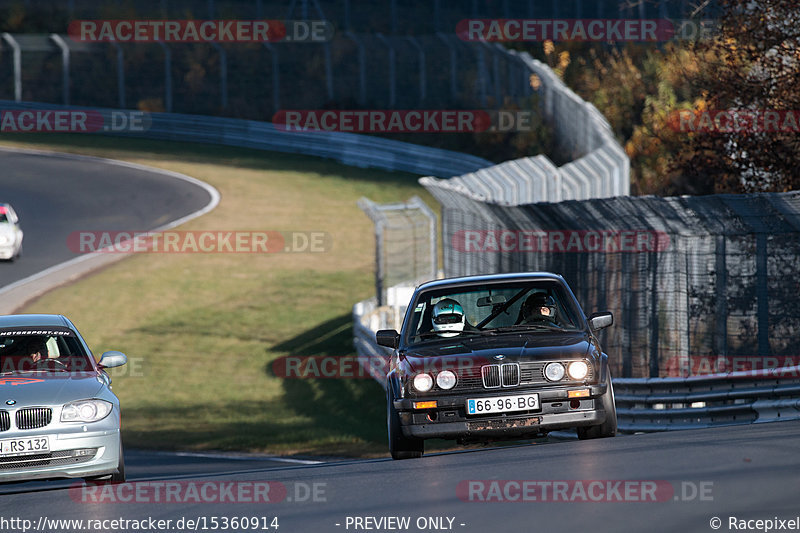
[(38, 388)]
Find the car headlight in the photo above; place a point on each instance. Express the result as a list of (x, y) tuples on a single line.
[(423, 382), (446, 379), (5, 239), (85, 411), (578, 370), (554, 371)]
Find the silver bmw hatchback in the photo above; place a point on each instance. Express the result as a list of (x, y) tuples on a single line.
[(58, 416)]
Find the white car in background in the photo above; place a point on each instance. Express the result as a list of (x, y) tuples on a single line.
[(10, 233)]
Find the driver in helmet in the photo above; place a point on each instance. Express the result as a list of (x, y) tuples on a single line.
[(448, 318), (539, 308)]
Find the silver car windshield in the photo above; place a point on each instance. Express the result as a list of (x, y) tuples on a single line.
[(33, 352)]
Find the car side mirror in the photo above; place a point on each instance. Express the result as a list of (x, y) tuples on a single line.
[(387, 337), (112, 359), (602, 320)]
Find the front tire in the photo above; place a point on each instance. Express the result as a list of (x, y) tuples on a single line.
[(400, 446), (609, 427)]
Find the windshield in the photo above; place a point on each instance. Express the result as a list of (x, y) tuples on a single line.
[(31, 351), (530, 306)]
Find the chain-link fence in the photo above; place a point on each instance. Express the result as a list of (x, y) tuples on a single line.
[(254, 81), (405, 247), (399, 17), (689, 279)]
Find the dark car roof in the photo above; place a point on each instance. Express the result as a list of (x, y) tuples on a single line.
[(491, 278), (12, 321)]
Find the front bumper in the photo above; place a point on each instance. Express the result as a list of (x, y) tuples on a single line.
[(104, 449), (450, 421), (7, 251)]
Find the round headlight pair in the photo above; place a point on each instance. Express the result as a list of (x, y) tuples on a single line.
[(577, 370), (444, 379)]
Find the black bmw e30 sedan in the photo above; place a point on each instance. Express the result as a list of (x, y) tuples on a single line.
[(505, 356)]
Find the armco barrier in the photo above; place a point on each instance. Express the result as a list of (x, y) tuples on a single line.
[(746, 397), (348, 148)]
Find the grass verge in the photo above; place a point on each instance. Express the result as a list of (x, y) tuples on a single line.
[(201, 330)]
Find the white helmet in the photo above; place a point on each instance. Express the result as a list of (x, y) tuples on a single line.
[(448, 318)]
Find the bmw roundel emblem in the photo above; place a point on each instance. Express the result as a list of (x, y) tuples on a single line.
[(11, 402), (498, 357)]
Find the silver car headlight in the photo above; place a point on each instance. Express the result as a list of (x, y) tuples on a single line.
[(446, 379), (85, 411), (423, 382), (554, 371), (5, 238), (578, 370)]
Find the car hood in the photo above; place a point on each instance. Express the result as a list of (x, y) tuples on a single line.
[(37, 388), (6, 229), (476, 351)]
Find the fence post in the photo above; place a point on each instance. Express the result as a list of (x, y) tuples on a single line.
[(167, 76), (276, 80), (392, 72), (56, 38), (17, 51), (120, 75), (453, 66), (362, 68), (654, 322), (423, 89), (762, 294), (223, 74), (721, 286)]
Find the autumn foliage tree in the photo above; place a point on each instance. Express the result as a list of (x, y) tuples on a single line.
[(751, 68)]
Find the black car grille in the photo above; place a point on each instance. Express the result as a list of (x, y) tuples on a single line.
[(496, 376), (59, 458), (34, 417), (509, 374), (5, 421), (491, 376), (527, 373)]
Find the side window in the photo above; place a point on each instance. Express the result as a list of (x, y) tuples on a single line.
[(417, 321)]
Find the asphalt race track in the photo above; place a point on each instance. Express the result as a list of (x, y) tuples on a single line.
[(56, 195), (677, 481), (748, 472)]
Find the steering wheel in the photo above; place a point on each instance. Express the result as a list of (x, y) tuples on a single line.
[(46, 361)]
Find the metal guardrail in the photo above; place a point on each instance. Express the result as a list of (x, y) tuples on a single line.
[(347, 148), (746, 397)]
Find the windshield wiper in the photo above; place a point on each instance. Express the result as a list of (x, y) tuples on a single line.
[(433, 335), (524, 327)]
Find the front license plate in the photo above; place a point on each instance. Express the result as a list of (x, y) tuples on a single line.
[(24, 446), (502, 404)]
